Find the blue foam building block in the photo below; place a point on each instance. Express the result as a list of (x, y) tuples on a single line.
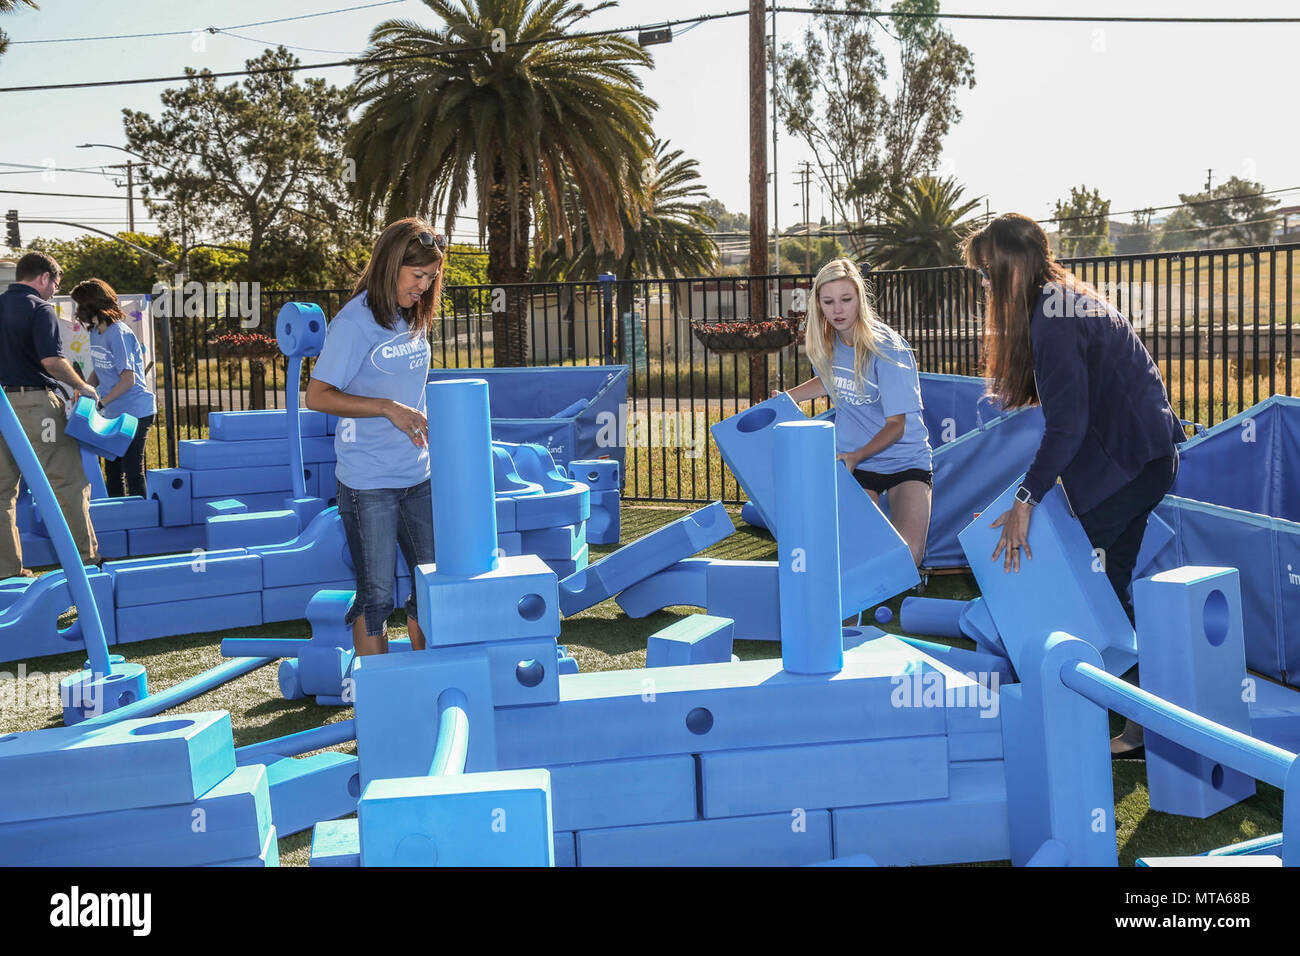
[(696, 639), (106, 437), (604, 525), (564, 569), (119, 514), (976, 623), (515, 600), (145, 762), (196, 615), (616, 793), (112, 544), (29, 624), (598, 474), (1023, 746), (683, 583), (510, 542), (1154, 541), (270, 855), (38, 551), (307, 790), (182, 577), (640, 559), (319, 553), (1192, 653), (563, 541), (1062, 588), (569, 505), (505, 515), (566, 848), (261, 501), (395, 693), (934, 617), (262, 527), (745, 591), (167, 540), (875, 562), (336, 843), (567, 665), (327, 484), (229, 821), (203, 454), (524, 672), (173, 489), (821, 776), (1274, 713), (858, 859), (24, 510), (506, 481), (304, 509), (234, 482), (253, 424), (222, 506), (497, 818), (290, 603), (793, 838), (702, 708), (968, 826)]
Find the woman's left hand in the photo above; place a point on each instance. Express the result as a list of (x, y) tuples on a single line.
[(1015, 536)]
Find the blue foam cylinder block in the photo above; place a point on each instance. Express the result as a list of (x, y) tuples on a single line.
[(461, 477)]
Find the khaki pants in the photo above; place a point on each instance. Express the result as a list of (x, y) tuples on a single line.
[(43, 417)]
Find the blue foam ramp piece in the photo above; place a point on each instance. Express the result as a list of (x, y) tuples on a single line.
[(307, 790), (166, 540), (615, 793), (702, 708), (566, 848), (253, 424), (270, 855), (1275, 714), (514, 601), (192, 576), (121, 514), (969, 825), (696, 639), (875, 562), (336, 843), (1192, 653), (319, 553), (821, 776), (106, 437), (262, 527), (645, 556), (745, 591), (230, 820), (793, 838), (458, 820), (29, 624), (172, 488), (290, 604), (683, 583), (203, 454), (194, 616), (146, 762), (1062, 588)]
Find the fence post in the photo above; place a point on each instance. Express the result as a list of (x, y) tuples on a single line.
[(606, 280), (169, 380)]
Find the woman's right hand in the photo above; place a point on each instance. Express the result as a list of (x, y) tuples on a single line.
[(775, 393), (411, 422)]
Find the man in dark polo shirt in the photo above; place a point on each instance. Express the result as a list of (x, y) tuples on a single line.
[(31, 369)]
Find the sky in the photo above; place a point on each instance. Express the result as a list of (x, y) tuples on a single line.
[(1140, 112)]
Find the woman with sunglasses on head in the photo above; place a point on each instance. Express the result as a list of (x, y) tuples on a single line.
[(1110, 435), (118, 374), (371, 372), (869, 373)]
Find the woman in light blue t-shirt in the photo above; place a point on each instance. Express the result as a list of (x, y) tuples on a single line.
[(371, 373), (869, 374), (118, 374)]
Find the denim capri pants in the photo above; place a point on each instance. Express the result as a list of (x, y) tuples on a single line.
[(377, 521)]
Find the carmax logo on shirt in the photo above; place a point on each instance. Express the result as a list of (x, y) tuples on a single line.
[(399, 353)]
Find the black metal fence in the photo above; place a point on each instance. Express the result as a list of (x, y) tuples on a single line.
[(1217, 322)]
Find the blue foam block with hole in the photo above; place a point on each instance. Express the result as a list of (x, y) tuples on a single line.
[(307, 790), (270, 855), (253, 424), (234, 482), (640, 559), (196, 615), (875, 562), (173, 489), (821, 776), (261, 527), (202, 454), (514, 601), (618, 793), (1192, 653), (290, 603), (604, 525), (181, 578), (695, 639), (707, 707), (319, 553), (336, 843), (119, 514), (598, 474), (396, 709), (230, 820), (1062, 588), (187, 537), (563, 541), (793, 838), (497, 818), (106, 437), (524, 672), (145, 762), (967, 826), (29, 624)]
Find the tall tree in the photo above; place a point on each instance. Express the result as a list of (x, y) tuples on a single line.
[(923, 226), (724, 220), (504, 98), (256, 163), (7, 6), (1231, 214), (1140, 236), (834, 93), (1084, 224)]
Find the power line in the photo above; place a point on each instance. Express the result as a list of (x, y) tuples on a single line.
[(29, 192), (1196, 203), (1034, 18)]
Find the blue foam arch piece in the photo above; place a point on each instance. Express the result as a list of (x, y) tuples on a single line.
[(695, 639), (106, 437)]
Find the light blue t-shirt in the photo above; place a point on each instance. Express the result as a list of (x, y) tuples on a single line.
[(114, 351), (361, 357), (890, 386)]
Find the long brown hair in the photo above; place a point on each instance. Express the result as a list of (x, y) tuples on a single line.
[(1013, 249), (397, 246), (96, 300)]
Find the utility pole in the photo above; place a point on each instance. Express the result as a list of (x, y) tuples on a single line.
[(130, 195), (1209, 180), (776, 204), (757, 192), (805, 182)]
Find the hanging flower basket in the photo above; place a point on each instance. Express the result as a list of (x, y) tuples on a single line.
[(733, 338), (241, 345)]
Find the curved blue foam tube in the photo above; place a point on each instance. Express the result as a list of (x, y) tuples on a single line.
[(808, 547), (263, 646), (183, 692), (299, 483), (461, 477), (92, 627), (291, 745), (453, 734), (936, 617)]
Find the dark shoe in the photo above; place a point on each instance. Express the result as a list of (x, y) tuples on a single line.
[(1137, 753)]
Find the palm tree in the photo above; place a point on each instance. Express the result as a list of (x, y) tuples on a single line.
[(530, 116), (923, 226), (7, 6)]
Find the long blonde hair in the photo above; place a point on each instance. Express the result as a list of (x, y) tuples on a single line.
[(819, 336)]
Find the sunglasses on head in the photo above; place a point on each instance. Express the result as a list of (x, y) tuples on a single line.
[(429, 241)]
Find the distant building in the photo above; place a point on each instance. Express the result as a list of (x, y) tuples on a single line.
[(8, 270)]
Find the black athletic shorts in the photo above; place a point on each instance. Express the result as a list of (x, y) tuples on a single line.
[(880, 483)]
